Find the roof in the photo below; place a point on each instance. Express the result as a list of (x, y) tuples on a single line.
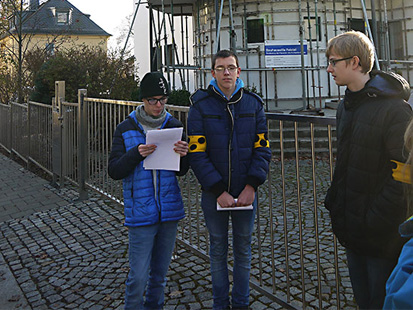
[(44, 20)]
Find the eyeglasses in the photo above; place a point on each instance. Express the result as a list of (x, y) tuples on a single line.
[(334, 61), (231, 69), (153, 101)]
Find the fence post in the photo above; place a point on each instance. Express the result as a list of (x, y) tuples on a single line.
[(11, 129), (82, 137), (29, 136), (57, 161)]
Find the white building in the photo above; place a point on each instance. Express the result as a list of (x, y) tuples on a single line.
[(280, 43)]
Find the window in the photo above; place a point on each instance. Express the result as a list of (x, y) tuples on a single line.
[(50, 49), (396, 40), (62, 17), (255, 30), (169, 55), (155, 61), (356, 24), (311, 25)]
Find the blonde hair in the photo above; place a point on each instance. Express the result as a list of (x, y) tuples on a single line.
[(353, 43)]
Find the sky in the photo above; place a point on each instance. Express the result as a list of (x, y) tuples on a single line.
[(108, 14)]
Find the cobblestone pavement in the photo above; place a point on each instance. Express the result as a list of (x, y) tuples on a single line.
[(66, 254), (290, 255)]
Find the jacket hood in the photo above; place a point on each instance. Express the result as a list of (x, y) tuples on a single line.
[(238, 85), (387, 84)]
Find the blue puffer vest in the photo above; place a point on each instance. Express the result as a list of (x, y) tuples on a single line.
[(142, 205)]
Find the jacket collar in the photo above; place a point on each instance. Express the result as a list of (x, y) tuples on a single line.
[(238, 85)]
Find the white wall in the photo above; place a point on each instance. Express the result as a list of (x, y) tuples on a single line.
[(281, 20), (142, 46), (141, 40)]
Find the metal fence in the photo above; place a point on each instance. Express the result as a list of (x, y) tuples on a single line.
[(40, 135), (5, 127), (296, 260)]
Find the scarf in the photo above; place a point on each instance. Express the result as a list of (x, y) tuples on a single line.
[(147, 120)]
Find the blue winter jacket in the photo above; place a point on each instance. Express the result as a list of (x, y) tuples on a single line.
[(142, 205), (228, 143), (399, 287)]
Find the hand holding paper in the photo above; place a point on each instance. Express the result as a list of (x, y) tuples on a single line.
[(146, 149), (164, 156), (181, 147), (235, 208)]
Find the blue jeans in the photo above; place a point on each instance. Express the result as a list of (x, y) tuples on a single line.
[(150, 252), (242, 228), (368, 277)]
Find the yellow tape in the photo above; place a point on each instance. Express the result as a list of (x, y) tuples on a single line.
[(402, 172), (261, 140), (197, 144)]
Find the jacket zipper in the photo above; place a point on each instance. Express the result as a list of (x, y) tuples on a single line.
[(229, 147), (232, 131), (158, 190)]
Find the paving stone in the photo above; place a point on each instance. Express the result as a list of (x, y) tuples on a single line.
[(73, 255)]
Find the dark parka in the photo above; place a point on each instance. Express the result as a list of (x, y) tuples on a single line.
[(228, 146), (143, 204), (366, 204)]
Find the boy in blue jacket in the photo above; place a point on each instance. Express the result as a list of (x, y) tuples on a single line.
[(152, 198), (229, 153)]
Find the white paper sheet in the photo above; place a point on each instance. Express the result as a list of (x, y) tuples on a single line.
[(164, 157), (249, 207)]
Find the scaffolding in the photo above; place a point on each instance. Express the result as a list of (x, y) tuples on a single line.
[(245, 26)]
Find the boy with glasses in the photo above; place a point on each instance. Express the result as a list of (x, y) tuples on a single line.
[(365, 199), (229, 153), (152, 198)]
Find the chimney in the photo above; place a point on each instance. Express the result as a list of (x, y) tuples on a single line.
[(34, 5)]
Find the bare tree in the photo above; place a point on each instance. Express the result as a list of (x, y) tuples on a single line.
[(18, 26), (14, 44)]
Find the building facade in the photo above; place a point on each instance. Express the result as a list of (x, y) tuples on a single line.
[(54, 24), (281, 43)]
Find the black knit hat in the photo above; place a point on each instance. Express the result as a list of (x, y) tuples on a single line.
[(154, 84)]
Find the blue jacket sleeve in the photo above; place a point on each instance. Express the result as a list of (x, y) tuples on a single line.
[(399, 286), (199, 160), (122, 162)]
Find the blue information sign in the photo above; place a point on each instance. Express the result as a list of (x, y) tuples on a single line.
[(284, 53)]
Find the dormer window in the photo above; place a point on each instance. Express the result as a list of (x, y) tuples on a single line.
[(62, 18)]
